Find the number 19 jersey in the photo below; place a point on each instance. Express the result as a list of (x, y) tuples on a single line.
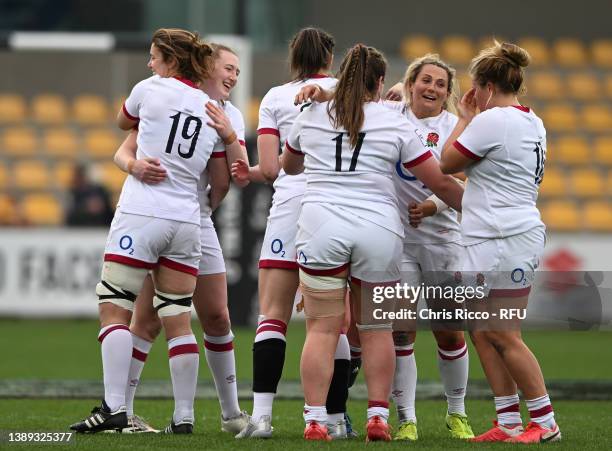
[(358, 179), (508, 146), (172, 127)]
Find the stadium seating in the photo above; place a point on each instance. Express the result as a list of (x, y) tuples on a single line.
[(584, 86), (545, 85), (31, 175), (554, 183), (538, 50), (560, 117), (601, 51), (598, 216), (50, 109), (61, 142), (572, 150), (62, 174), (597, 117), (415, 46), (587, 183), (603, 150), (110, 176), (101, 143), (570, 52), (90, 109), (8, 210), (561, 215), (457, 50), (12, 108), (19, 142), (42, 210), (4, 176)]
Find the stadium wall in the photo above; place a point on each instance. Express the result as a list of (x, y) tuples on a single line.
[(53, 272)]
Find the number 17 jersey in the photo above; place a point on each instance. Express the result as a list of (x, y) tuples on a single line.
[(359, 179), (172, 127)]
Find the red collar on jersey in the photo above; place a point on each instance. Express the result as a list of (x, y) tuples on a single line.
[(187, 82), (525, 109), (317, 76)]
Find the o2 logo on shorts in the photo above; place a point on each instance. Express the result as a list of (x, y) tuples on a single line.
[(518, 276), (125, 243), (277, 247), (302, 258)]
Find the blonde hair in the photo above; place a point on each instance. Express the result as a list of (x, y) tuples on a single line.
[(193, 57), (414, 69), (503, 65), (358, 78)]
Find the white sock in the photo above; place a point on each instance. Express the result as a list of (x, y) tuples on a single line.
[(184, 360), (219, 353), (508, 410), (343, 349), (315, 413), (140, 351), (378, 408), (541, 411), (262, 405), (116, 341), (454, 366), (333, 418), (404, 383)]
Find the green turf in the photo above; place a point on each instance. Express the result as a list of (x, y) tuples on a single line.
[(68, 349), (584, 425)]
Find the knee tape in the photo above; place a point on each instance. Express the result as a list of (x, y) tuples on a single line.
[(323, 295), (168, 304), (383, 327), (120, 284)]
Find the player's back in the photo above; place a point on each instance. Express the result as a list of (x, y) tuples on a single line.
[(173, 129), (359, 178), (277, 114)]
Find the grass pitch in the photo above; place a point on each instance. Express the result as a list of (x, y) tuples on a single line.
[(584, 425)]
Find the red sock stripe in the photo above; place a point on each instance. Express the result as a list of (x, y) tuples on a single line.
[(219, 347), (139, 355), (452, 357), (355, 355), (112, 329), (191, 348), (384, 404), (403, 352), (452, 347), (273, 325), (541, 412), (512, 408)]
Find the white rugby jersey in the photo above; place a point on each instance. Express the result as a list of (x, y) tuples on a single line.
[(237, 121), (429, 133), (508, 146), (172, 127), (359, 180), (276, 116)]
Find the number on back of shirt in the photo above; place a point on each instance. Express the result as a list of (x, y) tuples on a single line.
[(353, 164), (540, 160), (190, 132)]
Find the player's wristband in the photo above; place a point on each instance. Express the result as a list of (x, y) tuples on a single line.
[(130, 166), (440, 206), (230, 139)]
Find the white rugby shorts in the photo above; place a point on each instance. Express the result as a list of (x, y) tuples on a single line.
[(145, 242), (212, 257), (278, 247)]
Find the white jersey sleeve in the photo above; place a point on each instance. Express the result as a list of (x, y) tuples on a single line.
[(268, 123), (293, 140), (237, 121), (412, 153), (483, 134), (134, 102)]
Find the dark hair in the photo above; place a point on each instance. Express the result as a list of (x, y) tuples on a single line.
[(193, 57), (503, 65), (360, 71), (309, 51)]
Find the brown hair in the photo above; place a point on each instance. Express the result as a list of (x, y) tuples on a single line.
[(218, 48), (414, 69), (193, 57), (503, 65), (360, 71), (310, 50)]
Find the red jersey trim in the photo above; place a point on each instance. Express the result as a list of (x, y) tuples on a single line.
[(242, 142), (277, 264), (128, 261), (292, 150), (324, 272), (187, 82), (178, 266), (220, 154), (418, 160), (128, 115), (522, 108), (268, 131), (465, 151), (318, 76)]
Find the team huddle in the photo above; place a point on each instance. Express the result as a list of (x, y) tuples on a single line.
[(371, 189)]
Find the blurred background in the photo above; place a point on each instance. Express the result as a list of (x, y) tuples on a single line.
[(67, 65)]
